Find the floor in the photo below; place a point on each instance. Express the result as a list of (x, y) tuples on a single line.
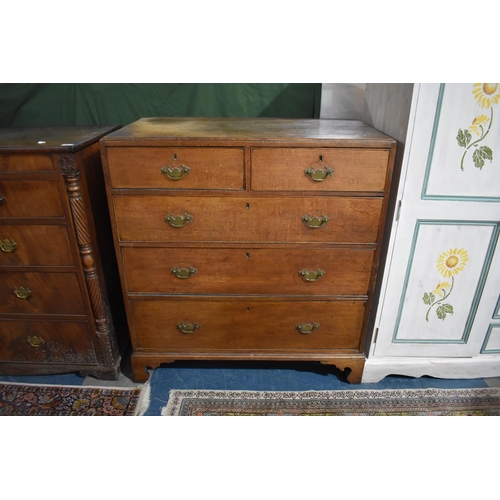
[(246, 376)]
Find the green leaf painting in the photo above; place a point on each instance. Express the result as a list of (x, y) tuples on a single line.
[(486, 95)]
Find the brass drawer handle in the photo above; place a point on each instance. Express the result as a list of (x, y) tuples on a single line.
[(175, 173), (315, 222), (188, 327), (35, 341), (183, 273), (307, 275), (319, 175), (178, 220), (22, 293), (2, 200), (8, 246), (306, 328)]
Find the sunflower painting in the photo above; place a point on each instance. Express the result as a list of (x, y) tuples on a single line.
[(449, 264), (487, 95)]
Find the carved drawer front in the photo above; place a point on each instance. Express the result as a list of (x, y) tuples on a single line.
[(29, 199), (247, 324), (247, 219), (318, 169), (176, 168), (40, 293), (310, 271), (45, 342), (26, 163), (34, 245)]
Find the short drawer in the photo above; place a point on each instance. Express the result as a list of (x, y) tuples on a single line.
[(26, 163), (252, 219), (34, 245), (29, 199), (45, 342), (248, 271), (40, 293), (315, 169), (176, 168), (185, 325)]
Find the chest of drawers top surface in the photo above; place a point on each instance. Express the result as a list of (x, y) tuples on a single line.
[(287, 130), (50, 139)]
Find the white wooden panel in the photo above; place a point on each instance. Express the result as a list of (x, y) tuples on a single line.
[(464, 161), (444, 272), (492, 343)]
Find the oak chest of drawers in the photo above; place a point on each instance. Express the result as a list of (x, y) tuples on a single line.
[(247, 238), (58, 267)]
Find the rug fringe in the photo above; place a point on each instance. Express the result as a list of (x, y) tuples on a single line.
[(144, 400)]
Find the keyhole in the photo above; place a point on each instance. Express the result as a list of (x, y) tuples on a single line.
[(175, 157), (248, 206), (247, 255), (248, 309), (320, 157)]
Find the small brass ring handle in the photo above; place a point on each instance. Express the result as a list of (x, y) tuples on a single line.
[(305, 328), (175, 173), (178, 220), (183, 273), (22, 293), (8, 246), (315, 222), (2, 200), (35, 341), (319, 175), (307, 275), (188, 327)]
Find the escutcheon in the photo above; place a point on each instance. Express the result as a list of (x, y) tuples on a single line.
[(2, 200)]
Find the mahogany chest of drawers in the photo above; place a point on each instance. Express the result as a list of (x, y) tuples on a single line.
[(58, 267), (248, 238)]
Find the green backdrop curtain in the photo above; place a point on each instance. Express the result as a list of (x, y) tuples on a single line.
[(65, 104)]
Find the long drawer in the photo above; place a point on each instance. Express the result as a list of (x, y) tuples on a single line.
[(34, 245), (26, 163), (223, 324), (247, 219), (28, 199), (318, 169), (45, 342), (310, 271), (176, 168), (40, 293)]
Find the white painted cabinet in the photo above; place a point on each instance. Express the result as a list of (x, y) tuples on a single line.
[(439, 307)]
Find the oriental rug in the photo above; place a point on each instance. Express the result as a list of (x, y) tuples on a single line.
[(18, 399), (359, 402)]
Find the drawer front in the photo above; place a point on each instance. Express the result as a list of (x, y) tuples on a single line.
[(252, 219), (176, 168), (29, 199), (248, 271), (45, 342), (315, 169), (48, 293), (247, 324), (26, 163), (34, 245)]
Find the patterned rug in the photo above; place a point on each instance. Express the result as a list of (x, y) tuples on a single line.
[(409, 402), (70, 400)]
